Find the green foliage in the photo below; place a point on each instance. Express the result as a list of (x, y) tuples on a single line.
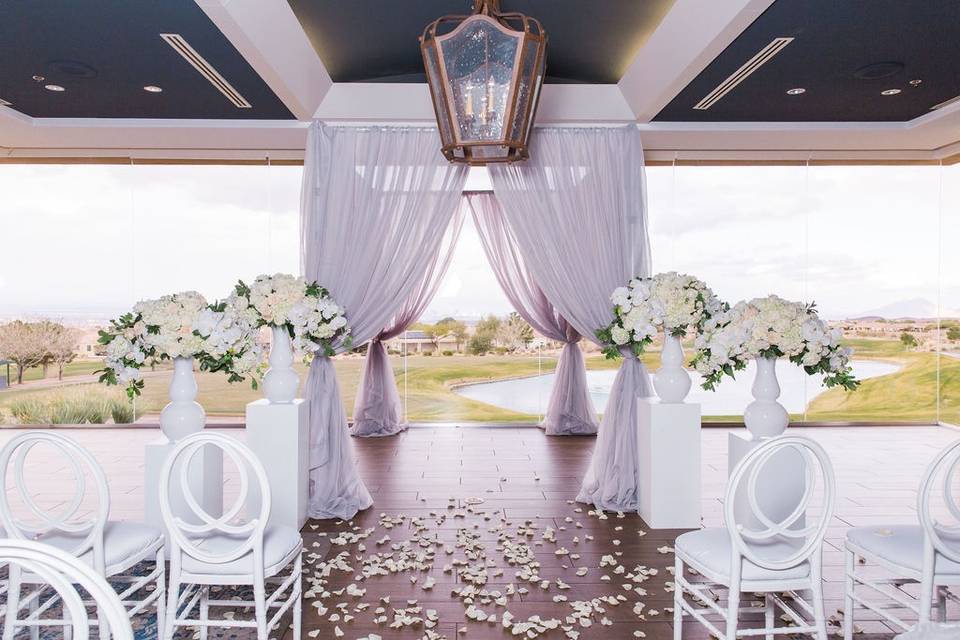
[(447, 353), (907, 340), (77, 405), (480, 343), (953, 332)]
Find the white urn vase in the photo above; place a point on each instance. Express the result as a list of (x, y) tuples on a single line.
[(765, 417), (671, 381), (281, 382), (183, 415)]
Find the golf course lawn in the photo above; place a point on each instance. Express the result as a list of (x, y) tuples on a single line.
[(909, 395)]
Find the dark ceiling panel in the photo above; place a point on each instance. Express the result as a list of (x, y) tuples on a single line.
[(833, 40), (119, 51), (376, 40)]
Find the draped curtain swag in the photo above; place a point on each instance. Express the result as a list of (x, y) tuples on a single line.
[(577, 210), (377, 410), (375, 205), (570, 410)]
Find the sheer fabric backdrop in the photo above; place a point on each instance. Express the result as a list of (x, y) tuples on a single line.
[(570, 410), (377, 410), (577, 210), (375, 203)]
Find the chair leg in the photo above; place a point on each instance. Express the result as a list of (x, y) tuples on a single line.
[(733, 613), (173, 594), (34, 630), (13, 602), (926, 583), (161, 593), (204, 610), (848, 592), (298, 594), (260, 602), (816, 589), (769, 614), (677, 599)]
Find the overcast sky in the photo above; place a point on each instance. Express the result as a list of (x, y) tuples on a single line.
[(87, 239)]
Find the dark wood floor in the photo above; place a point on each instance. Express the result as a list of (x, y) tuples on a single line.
[(427, 479)]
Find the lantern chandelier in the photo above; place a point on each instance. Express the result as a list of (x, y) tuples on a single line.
[(485, 71)]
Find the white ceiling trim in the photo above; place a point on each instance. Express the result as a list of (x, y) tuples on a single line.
[(269, 36), (690, 37)]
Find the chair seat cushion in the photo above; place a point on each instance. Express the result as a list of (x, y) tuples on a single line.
[(710, 550), (123, 543), (279, 541), (901, 545)]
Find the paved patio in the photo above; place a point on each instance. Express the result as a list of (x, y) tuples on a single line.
[(522, 475)]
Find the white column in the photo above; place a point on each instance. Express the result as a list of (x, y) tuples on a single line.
[(205, 479), (780, 485), (279, 435), (668, 437)]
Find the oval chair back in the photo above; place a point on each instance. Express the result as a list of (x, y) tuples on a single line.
[(941, 473), (802, 534), (89, 530), (189, 537), (61, 571)]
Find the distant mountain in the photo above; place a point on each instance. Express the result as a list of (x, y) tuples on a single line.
[(915, 308)]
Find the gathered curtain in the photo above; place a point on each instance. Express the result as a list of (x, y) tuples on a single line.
[(377, 410), (375, 204), (577, 211), (570, 410)]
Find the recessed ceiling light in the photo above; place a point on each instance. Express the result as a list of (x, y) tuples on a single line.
[(917, 82), (796, 92), (53, 87), (890, 92), (38, 78), (152, 88)]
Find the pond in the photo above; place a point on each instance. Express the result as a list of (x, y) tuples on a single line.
[(530, 395)]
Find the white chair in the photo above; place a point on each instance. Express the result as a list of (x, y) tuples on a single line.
[(228, 549), (61, 571), (783, 556), (927, 554), (111, 548)]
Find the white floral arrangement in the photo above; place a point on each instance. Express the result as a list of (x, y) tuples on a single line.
[(772, 327), (313, 319), (179, 325), (672, 302)]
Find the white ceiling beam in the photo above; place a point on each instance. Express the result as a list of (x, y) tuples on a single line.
[(383, 102), (269, 36), (690, 37)]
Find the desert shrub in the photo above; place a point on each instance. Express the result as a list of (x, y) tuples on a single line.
[(30, 410), (71, 405), (427, 353), (448, 353), (500, 351), (123, 412)]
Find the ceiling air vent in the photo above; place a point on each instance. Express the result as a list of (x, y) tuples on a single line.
[(763, 56), (945, 103), (206, 69)]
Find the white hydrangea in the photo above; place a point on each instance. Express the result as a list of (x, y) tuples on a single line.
[(772, 327), (672, 302), (315, 319)]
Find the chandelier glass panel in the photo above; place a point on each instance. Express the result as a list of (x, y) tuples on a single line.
[(485, 72)]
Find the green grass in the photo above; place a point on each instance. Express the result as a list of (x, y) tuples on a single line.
[(907, 395)]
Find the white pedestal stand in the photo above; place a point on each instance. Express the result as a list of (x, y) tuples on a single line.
[(206, 483), (278, 434), (668, 437), (779, 486)]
